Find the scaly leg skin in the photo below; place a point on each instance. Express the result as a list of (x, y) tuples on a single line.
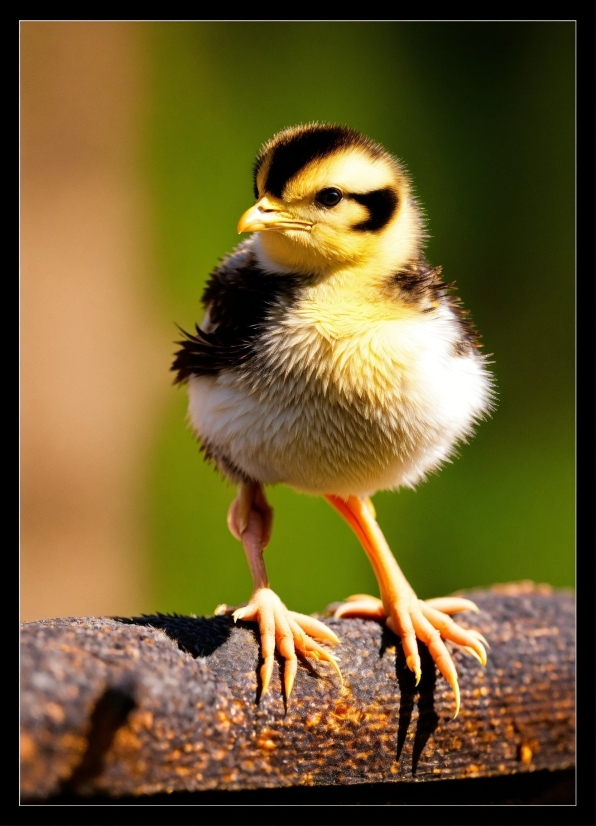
[(407, 616), (249, 520)]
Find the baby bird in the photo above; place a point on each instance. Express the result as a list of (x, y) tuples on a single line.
[(333, 359)]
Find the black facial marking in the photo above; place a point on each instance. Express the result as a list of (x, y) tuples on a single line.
[(381, 205), (296, 148), (290, 158)]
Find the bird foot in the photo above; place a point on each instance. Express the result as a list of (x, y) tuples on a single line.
[(427, 620), (289, 632)]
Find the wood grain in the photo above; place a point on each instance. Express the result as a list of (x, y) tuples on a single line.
[(145, 706)]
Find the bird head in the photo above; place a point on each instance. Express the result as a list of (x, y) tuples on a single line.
[(330, 198)]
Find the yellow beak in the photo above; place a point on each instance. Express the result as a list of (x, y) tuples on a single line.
[(267, 214)]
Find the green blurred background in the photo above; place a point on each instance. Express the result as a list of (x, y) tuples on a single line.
[(482, 114)]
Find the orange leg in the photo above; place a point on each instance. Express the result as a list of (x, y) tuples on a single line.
[(407, 616), (249, 519)]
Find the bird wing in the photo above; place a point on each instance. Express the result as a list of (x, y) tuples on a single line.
[(237, 299)]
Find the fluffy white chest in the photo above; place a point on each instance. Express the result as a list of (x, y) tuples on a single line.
[(344, 411)]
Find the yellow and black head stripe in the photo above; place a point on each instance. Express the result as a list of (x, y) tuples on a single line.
[(292, 149)]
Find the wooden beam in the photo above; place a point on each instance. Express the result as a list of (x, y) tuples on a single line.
[(145, 706)]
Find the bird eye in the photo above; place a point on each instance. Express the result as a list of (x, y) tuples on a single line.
[(329, 197)]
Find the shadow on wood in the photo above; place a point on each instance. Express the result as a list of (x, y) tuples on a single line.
[(154, 705)]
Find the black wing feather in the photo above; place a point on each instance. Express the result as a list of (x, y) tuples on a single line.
[(238, 296)]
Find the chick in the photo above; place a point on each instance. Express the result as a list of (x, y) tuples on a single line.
[(333, 359)]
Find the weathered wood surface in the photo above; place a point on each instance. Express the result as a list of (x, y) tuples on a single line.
[(161, 704)]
